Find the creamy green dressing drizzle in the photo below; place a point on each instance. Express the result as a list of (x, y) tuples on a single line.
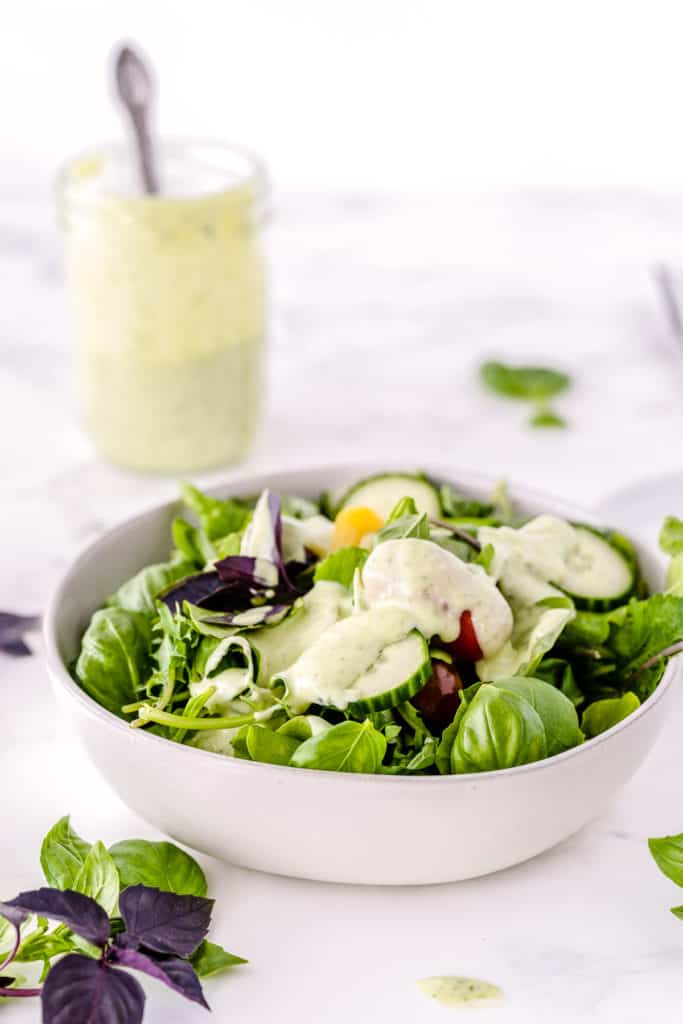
[(453, 990), (326, 672), (436, 587), (523, 564), (278, 647)]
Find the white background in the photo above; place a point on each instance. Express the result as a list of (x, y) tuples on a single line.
[(382, 93)]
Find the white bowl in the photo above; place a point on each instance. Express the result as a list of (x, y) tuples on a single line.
[(370, 829)]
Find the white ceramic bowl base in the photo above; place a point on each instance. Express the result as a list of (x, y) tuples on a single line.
[(333, 827)]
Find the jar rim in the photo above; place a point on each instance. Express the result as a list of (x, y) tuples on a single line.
[(209, 152)]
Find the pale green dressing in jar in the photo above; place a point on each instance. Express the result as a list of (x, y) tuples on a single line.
[(168, 300)]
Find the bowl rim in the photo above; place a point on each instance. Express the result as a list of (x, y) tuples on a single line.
[(232, 484)]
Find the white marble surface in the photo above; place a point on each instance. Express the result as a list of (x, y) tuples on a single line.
[(384, 306)]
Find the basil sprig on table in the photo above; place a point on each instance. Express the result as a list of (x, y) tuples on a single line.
[(535, 384), (138, 906)]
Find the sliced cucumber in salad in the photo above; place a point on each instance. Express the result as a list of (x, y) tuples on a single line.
[(601, 572), (382, 493), (401, 670)]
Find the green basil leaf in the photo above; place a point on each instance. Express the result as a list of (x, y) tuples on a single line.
[(557, 712), (410, 525), (499, 729), (42, 946), (674, 576), (603, 714), (62, 855), (99, 878), (158, 865), (671, 536), (677, 912), (547, 418), (340, 566), (302, 727), (347, 747), (560, 674), (114, 657), (269, 747), (210, 959), (668, 854), (529, 382)]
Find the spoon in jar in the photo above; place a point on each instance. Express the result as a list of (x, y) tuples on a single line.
[(135, 89)]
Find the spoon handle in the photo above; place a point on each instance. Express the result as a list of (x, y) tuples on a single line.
[(146, 159), (135, 88)]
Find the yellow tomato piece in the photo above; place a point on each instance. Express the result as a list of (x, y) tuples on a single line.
[(352, 525)]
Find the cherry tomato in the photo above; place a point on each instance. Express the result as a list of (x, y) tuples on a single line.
[(466, 647), (439, 699)]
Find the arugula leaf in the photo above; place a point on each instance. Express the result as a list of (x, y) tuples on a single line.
[(62, 855), (217, 517), (456, 506), (640, 630), (340, 566), (158, 865), (114, 657), (671, 536), (211, 958), (99, 878), (191, 543), (526, 382)]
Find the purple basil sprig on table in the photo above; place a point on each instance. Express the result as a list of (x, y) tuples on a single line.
[(160, 930), (13, 629)]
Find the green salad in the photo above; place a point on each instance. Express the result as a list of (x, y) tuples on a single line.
[(396, 627)]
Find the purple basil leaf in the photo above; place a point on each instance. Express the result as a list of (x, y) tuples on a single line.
[(80, 990), (15, 915), (256, 616), (81, 913), (13, 627), (194, 589), (247, 573), (178, 974), (163, 921)]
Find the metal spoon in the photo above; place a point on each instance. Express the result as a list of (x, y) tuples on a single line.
[(135, 89)]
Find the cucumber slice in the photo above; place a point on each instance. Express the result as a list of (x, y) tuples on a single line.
[(382, 493), (601, 572), (401, 670)]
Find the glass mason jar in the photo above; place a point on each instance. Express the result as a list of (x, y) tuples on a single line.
[(168, 298)]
